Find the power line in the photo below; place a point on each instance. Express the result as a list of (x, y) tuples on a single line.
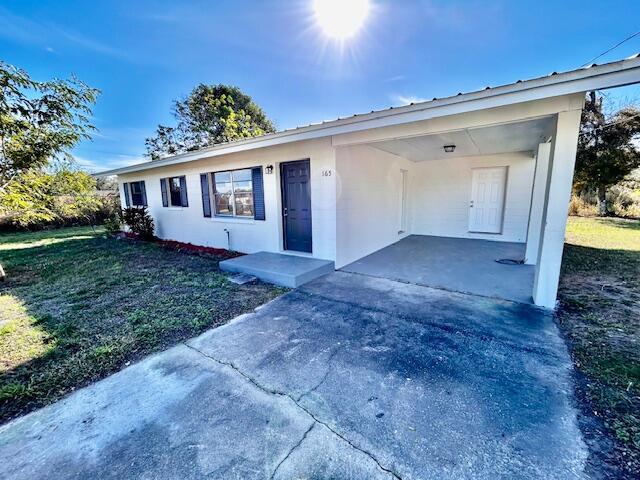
[(611, 124), (611, 49)]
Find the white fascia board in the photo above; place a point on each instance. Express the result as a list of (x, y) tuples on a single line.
[(615, 74)]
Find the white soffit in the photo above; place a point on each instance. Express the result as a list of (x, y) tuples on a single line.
[(512, 137)]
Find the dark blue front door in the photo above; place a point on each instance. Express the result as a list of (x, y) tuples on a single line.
[(296, 205)]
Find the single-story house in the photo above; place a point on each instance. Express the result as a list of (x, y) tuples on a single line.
[(469, 174)]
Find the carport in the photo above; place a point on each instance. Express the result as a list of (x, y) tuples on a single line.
[(455, 264), (437, 202), (494, 165)]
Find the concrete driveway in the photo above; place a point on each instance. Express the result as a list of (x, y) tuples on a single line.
[(349, 377)]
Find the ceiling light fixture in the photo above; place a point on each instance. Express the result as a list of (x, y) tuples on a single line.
[(449, 148)]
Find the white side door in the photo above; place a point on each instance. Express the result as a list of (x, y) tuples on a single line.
[(486, 207)]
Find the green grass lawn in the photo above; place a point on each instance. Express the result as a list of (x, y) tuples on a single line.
[(77, 306), (600, 316)]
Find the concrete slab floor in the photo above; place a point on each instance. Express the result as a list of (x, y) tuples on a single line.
[(347, 377), (457, 264)]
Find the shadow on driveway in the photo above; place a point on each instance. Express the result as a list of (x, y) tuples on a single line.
[(347, 377)]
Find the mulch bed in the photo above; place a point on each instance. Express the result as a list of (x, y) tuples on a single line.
[(219, 253)]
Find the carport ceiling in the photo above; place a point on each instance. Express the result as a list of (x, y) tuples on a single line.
[(512, 137)]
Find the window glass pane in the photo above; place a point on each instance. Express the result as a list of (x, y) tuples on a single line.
[(174, 188), (240, 187), (244, 204), (223, 204), (223, 187), (233, 193), (241, 176), (136, 193), (222, 177)]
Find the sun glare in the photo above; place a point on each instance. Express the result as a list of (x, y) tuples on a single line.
[(341, 19)]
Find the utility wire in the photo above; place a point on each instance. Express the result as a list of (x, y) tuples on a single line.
[(611, 124), (611, 49)]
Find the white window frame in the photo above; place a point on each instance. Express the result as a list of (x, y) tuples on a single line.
[(212, 176)]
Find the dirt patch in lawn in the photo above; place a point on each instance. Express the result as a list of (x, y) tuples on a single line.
[(599, 315), (77, 306)]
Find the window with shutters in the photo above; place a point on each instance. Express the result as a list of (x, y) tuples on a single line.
[(233, 193), (177, 196)]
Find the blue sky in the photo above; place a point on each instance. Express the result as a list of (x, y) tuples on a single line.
[(144, 54)]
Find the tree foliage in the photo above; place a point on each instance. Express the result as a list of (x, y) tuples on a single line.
[(607, 148), (211, 114), (39, 120), (139, 221), (60, 197)]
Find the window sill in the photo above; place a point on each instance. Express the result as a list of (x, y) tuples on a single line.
[(221, 219), (174, 208)]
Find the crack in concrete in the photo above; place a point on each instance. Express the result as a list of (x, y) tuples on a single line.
[(313, 424), (324, 377), (272, 391)]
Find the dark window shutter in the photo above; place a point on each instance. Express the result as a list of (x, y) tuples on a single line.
[(206, 198), (163, 189), (127, 200), (258, 193), (183, 192), (143, 190)]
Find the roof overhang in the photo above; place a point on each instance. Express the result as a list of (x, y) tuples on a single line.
[(594, 77), (524, 136)]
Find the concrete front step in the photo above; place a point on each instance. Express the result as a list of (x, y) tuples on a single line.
[(285, 270)]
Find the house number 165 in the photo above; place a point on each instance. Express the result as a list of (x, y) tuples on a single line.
[(326, 173)]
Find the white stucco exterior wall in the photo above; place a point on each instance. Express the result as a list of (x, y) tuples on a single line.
[(369, 196), (441, 191), (187, 224)]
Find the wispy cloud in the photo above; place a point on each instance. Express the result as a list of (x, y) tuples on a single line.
[(85, 163), (124, 161), (395, 78), (48, 35), (107, 163), (87, 43), (399, 99)]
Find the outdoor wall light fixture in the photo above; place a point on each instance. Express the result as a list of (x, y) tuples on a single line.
[(449, 148), (268, 169)]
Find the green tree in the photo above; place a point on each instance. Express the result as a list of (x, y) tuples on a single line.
[(60, 196), (211, 114), (607, 148), (26, 201), (39, 120)]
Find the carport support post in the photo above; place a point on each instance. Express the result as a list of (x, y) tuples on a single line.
[(560, 177), (537, 203)]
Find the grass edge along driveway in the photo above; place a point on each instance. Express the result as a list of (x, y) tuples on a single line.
[(599, 316), (77, 306)]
